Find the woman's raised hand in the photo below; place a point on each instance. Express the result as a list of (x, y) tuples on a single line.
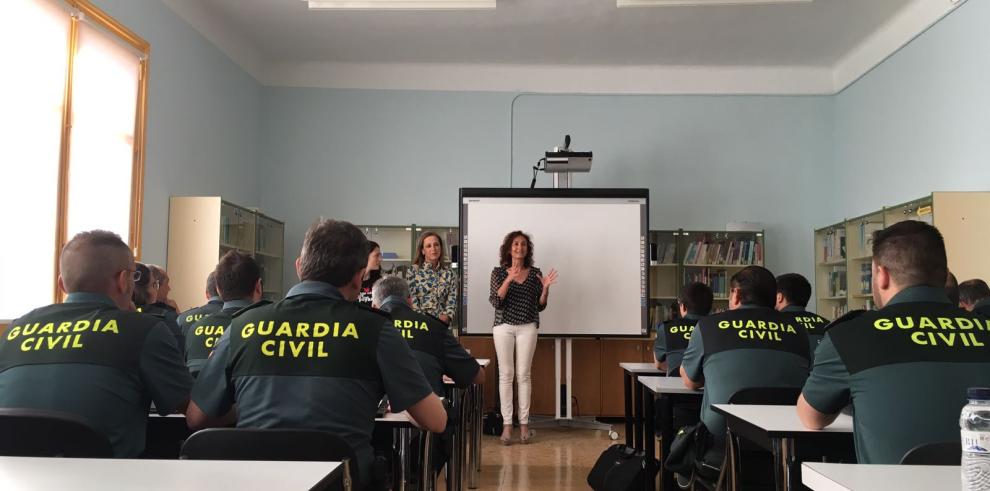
[(549, 279)]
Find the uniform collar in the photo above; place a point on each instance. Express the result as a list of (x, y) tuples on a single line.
[(748, 306), (87, 297), (393, 303), (238, 303), (919, 293), (691, 317), (793, 308), (214, 300), (985, 303), (315, 288)]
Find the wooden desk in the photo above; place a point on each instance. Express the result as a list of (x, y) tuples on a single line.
[(43, 474), (633, 399), (848, 477), (778, 429), (674, 391)]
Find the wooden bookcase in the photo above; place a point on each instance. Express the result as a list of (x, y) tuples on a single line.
[(201, 229)]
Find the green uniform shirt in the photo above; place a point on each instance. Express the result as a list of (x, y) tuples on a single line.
[(433, 345), (191, 316), (905, 368), (813, 323), (312, 360), (743, 348), (88, 358), (168, 315), (983, 308), (672, 339), (201, 336)]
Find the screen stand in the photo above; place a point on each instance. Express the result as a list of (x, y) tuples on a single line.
[(563, 413)]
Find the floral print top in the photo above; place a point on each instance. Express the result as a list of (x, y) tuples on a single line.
[(433, 290)]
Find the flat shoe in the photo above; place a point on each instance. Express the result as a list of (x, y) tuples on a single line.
[(528, 438), (506, 440)]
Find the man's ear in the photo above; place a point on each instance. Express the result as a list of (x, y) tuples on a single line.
[(259, 291), (299, 267)]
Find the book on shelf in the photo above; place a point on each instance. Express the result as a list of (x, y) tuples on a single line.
[(837, 282), (737, 252), (716, 279), (834, 245), (865, 278), (866, 231), (665, 253)]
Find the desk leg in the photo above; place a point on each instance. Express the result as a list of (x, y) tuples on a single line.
[(783, 456), (474, 466), (638, 416), (455, 466), (649, 447), (405, 435), (666, 438), (427, 478), (627, 397)]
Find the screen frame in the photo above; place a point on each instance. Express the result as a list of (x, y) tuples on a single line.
[(608, 193)]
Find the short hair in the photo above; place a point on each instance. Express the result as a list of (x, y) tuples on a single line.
[(952, 288), (333, 252), (505, 250), (973, 291), (696, 298), (913, 253), (236, 275), (420, 257), (90, 260), (795, 288), (158, 272), (140, 295), (389, 286), (755, 285), (211, 284)]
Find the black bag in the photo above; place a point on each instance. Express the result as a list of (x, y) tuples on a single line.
[(690, 443), (492, 423), (619, 468)]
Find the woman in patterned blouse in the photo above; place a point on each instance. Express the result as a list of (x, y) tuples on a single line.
[(519, 293), (432, 283)]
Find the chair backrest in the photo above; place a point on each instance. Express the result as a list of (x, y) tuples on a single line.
[(781, 396), (272, 444), (41, 433), (942, 453)]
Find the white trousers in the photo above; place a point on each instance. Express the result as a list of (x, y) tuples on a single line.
[(514, 347)]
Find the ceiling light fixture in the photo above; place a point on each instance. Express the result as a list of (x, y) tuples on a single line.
[(401, 4), (700, 3)]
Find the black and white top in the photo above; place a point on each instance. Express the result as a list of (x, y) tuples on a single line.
[(521, 304)]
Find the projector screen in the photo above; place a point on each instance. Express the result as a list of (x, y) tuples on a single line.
[(596, 239)]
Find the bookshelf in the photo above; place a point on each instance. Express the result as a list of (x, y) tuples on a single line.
[(963, 218), (201, 229), (678, 257)]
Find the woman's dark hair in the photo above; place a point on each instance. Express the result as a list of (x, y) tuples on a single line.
[(505, 252), (375, 274), (420, 257), (140, 295)]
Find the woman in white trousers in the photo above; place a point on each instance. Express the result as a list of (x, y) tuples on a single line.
[(519, 292)]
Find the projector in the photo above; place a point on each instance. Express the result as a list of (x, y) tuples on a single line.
[(567, 161)]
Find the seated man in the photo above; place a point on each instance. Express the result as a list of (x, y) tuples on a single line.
[(213, 305), (238, 281), (316, 359), (793, 294), (90, 356), (436, 349), (905, 367), (750, 345), (694, 302), (974, 296)]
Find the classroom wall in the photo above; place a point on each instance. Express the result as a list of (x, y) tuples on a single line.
[(203, 119), (399, 157), (919, 122)]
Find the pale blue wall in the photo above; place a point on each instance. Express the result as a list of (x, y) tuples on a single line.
[(919, 122), (203, 118), (398, 157)]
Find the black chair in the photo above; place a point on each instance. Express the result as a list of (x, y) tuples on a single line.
[(274, 444), (943, 453), (40, 433)]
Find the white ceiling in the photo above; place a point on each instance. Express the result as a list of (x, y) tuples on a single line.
[(281, 40)]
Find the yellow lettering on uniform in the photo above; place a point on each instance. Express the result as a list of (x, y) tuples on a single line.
[(63, 328), (284, 330), (918, 338), (950, 340), (397, 324), (48, 329), (281, 349), (111, 326), (964, 323), (745, 334), (81, 325), (945, 323), (976, 342), (320, 329), (24, 344), (266, 348), (266, 328), (96, 326), (247, 331), (302, 330), (76, 343), (53, 342), (309, 354), (336, 329), (351, 331), (199, 331), (925, 322), (65, 345), (320, 352), (908, 324), (883, 324), (423, 327), (220, 330), (210, 342), (296, 348), (13, 332), (687, 335), (762, 324), (723, 324), (30, 329), (406, 334), (406, 324)]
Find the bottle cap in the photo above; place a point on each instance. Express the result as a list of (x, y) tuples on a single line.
[(978, 393)]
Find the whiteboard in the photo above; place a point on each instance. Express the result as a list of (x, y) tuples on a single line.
[(595, 239)]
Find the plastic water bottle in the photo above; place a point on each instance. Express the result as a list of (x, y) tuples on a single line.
[(974, 426)]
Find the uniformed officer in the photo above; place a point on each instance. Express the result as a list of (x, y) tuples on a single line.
[(793, 293), (145, 298), (90, 356), (213, 305), (750, 345), (974, 296), (238, 281), (952, 288), (905, 367), (433, 345), (694, 302), (316, 359)]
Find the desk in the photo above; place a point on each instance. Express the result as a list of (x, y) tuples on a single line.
[(847, 477), (634, 420), (778, 429), (402, 434), (42, 474), (674, 391), (466, 460)]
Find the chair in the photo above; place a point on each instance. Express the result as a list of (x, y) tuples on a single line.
[(41, 433), (273, 444), (781, 396), (943, 453)]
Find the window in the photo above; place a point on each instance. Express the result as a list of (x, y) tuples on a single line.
[(71, 139)]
